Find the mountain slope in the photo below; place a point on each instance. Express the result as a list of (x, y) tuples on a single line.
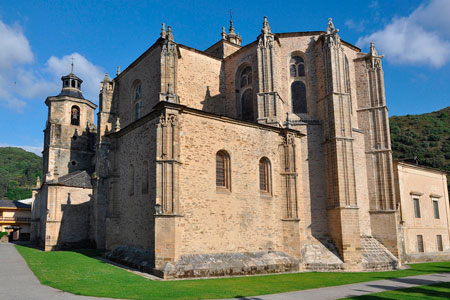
[(18, 172), (425, 137)]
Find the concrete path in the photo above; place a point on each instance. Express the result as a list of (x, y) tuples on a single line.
[(17, 282), (357, 289)]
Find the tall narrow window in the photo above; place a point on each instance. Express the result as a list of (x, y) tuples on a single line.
[(137, 110), (298, 85), (436, 208), (131, 181), (222, 170), (416, 207), (247, 106), (245, 93), (298, 93), (137, 98), (420, 243), (145, 178), (75, 115), (264, 175), (440, 247)]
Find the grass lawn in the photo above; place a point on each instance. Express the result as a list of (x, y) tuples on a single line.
[(78, 273), (431, 292)]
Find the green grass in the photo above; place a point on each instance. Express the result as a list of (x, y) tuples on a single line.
[(434, 292), (78, 273)]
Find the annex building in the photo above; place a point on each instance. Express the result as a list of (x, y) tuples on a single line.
[(269, 157)]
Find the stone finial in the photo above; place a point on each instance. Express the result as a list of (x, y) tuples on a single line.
[(106, 78), (38, 182), (169, 34), (331, 29), (288, 121), (117, 125), (163, 30), (231, 26), (266, 27), (372, 50), (118, 71), (224, 34)]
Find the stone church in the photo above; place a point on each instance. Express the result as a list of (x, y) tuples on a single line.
[(269, 157)]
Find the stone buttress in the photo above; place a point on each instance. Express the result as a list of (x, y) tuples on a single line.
[(335, 108), (374, 121)]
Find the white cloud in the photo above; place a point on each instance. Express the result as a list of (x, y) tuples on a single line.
[(22, 79), (421, 38), (91, 74)]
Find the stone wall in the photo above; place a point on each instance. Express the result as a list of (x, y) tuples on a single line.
[(67, 220), (240, 218), (131, 209), (146, 70), (200, 81)]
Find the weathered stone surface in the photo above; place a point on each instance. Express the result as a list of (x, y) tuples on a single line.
[(229, 264), (375, 256)]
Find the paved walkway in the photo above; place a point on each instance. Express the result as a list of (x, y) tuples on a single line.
[(357, 289), (17, 282)]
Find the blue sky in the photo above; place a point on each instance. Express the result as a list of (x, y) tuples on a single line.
[(38, 39)]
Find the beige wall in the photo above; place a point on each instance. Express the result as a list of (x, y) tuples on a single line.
[(146, 70), (66, 217), (241, 219), (200, 81), (426, 184)]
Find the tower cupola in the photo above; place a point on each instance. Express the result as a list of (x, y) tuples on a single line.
[(71, 85)]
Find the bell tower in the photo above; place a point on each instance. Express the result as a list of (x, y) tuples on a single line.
[(69, 135)]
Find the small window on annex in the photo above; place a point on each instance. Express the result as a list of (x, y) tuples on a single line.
[(420, 247), (436, 208), (264, 175), (416, 207), (75, 115), (223, 170), (440, 246)]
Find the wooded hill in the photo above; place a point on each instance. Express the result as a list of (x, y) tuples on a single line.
[(425, 137), (18, 172)]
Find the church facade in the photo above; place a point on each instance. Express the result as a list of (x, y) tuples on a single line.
[(269, 157)]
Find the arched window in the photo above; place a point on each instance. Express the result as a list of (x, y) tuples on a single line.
[(297, 67), (247, 106), (137, 110), (137, 95), (145, 177), (298, 95), (73, 83), (131, 181), (246, 77), (223, 170), (298, 85), (75, 115), (264, 175), (138, 92), (245, 93)]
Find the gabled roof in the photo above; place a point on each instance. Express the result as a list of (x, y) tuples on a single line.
[(76, 179), (13, 204)]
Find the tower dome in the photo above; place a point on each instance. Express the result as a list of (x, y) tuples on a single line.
[(71, 86)]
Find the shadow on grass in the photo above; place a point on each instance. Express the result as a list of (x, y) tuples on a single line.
[(431, 291)]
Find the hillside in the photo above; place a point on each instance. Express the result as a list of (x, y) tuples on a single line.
[(18, 172), (425, 136)]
